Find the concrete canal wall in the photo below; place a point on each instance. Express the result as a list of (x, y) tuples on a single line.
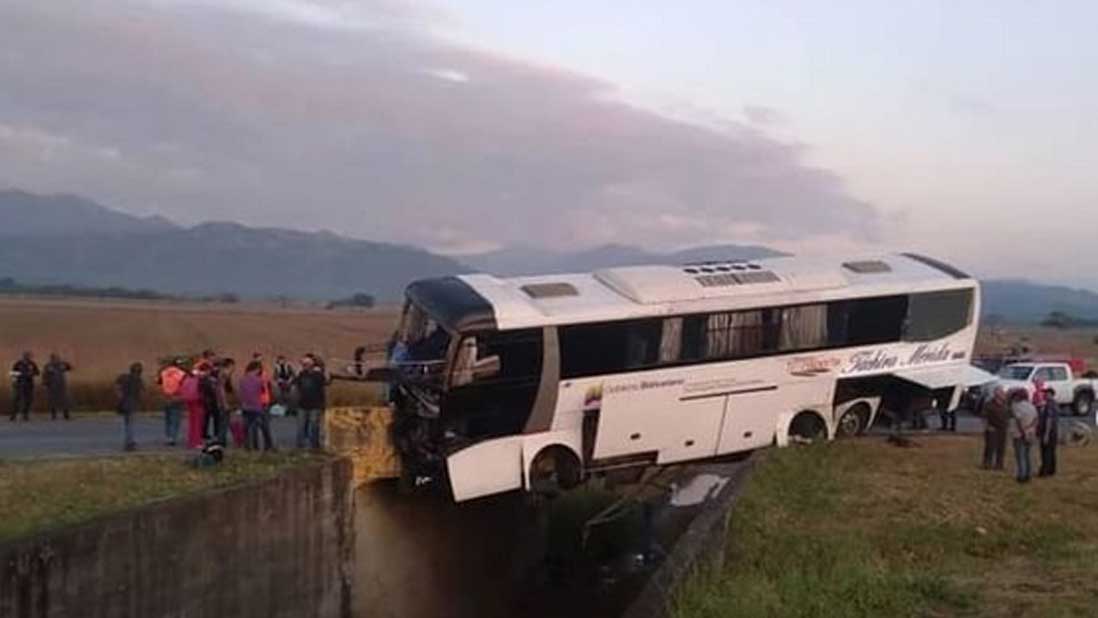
[(280, 548)]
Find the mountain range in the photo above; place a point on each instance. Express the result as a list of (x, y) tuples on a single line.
[(65, 239)]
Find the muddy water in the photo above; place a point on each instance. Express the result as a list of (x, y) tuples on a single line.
[(419, 556)]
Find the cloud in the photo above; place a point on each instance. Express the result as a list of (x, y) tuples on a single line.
[(279, 114), (763, 116), (450, 75)]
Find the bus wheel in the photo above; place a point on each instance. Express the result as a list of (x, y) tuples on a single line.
[(1083, 404), (806, 428), (555, 469), (853, 422)]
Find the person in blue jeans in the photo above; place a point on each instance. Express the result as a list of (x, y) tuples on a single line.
[(311, 386), (1023, 431), (256, 416)]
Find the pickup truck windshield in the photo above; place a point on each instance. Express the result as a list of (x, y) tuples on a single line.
[(1016, 372)]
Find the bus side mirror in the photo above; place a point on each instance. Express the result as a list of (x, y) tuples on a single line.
[(487, 367)]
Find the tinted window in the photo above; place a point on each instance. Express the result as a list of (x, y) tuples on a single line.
[(936, 315), (866, 321), (592, 349)]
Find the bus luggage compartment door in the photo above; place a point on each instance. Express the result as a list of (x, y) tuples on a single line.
[(490, 467), (692, 428), (749, 419)]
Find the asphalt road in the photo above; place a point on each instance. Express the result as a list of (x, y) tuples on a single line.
[(100, 434)]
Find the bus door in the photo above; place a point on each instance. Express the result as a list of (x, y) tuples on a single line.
[(750, 417)]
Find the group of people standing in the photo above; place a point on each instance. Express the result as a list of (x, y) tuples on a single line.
[(205, 388), (1028, 420), (24, 373)]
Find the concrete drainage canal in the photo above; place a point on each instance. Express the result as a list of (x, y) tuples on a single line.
[(589, 553)]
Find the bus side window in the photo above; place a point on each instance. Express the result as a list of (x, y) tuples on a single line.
[(935, 315), (693, 337), (642, 343), (877, 320)]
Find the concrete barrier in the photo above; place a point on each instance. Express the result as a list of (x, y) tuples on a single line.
[(283, 547), (703, 545)]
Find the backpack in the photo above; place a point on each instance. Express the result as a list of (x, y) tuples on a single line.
[(171, 381)]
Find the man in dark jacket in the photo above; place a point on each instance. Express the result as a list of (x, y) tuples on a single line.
[(311, 385), (996, 417), (23, 373), (55, 379), (1048, 431), (130, 388)]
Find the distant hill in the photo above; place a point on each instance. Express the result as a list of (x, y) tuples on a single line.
[(67, 240), (521, 261), (1023, 301), (25, 214)]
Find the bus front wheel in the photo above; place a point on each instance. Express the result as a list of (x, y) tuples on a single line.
[(807, 427), (555, 469)]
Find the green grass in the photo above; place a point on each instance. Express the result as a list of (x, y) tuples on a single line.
[(866, 529), (42, 495)]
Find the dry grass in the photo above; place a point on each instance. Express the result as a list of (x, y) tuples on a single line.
[(1080, 343), (101, 339), (43, 495), (866, 529)]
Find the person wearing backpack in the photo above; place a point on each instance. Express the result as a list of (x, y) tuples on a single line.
[(170, 380)]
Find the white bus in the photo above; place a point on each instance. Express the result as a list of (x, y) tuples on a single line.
[(538, 382)]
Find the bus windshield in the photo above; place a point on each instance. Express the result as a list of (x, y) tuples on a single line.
[(420, 340), (1016, 372)]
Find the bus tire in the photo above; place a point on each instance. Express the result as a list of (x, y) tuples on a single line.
[(806, 428), (1083, 404), (853, 422), (555, 469)]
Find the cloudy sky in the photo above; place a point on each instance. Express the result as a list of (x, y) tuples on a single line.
[(965, 130)]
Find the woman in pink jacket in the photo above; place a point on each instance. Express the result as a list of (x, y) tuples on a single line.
[(191, 395)]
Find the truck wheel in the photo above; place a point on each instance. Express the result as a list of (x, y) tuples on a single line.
[(1084, 404)]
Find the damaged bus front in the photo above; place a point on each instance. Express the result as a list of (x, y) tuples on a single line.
[(460, 388)]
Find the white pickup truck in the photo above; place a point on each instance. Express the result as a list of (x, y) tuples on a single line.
[(1070, 390)]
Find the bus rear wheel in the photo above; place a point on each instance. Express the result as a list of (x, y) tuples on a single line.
[(555, 469), (806, 428), (853, 422)]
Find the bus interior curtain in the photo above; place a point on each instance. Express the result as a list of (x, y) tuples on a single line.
[(747, 329), (804, 328), (671, 340)]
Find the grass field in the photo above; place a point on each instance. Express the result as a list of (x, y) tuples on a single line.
[(41, 495), (1076, 342), (101, 339), (862, 528)]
